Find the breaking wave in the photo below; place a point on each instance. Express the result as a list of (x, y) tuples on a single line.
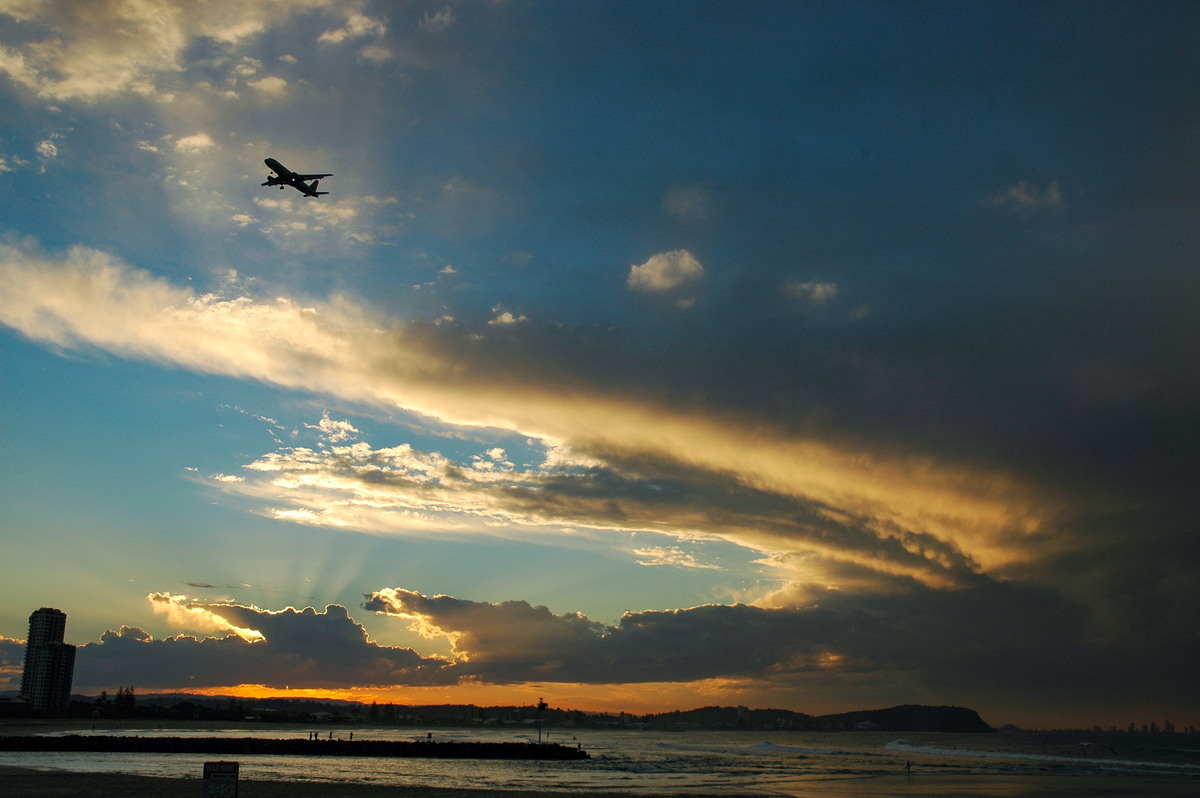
[(910, 748)]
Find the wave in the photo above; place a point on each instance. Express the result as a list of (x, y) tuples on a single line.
[(901, 745), (760, 748)]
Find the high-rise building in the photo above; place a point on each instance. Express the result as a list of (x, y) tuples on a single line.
[(49, 662)]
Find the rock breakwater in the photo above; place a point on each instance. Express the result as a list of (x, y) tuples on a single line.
[(225, 746)]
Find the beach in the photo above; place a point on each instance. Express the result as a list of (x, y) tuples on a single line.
[(28, 783), (625, 765)]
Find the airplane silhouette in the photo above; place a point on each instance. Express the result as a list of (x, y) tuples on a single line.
[(286, 177)]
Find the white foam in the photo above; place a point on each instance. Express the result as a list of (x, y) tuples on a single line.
[(900, 745), (757, 748)]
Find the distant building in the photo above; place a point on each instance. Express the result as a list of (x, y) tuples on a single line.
[(49, 662)]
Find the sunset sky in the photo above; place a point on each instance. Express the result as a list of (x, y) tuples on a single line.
[(643, 355)]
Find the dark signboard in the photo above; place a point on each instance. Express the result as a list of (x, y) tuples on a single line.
[(220, 779)]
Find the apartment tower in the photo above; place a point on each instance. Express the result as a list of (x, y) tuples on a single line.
[(49, 662)]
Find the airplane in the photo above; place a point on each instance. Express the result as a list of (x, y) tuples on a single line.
[(286, 177)]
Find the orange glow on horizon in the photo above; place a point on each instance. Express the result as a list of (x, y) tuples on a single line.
[(636, 699)]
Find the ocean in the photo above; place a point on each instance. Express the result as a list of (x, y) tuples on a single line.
[(783, 763)]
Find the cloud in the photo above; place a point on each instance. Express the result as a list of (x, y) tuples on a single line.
[(512, 641), (689, 203), (195, 143), (401, 491), (297, 648), (357, 26), (814, 293), (869, 532), (670, 556), (91, 51), (1026, 198), (336, 224), (334, 431), (505, 318), (271, 85), (665, 271), (46, 151), (1018, 644), (757, 486), (247, 67), (12, 663), (1026, 639), (438, 21), (194, 617), (376, 52)]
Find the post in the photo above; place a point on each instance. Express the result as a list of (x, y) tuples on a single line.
[(220, 779), (541, 705)]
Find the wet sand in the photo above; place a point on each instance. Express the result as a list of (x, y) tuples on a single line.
[(29, 783), (954, 786)]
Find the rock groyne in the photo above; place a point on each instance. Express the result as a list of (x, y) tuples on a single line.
[(226, 746)]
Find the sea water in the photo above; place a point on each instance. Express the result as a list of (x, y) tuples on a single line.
[(696, 762)]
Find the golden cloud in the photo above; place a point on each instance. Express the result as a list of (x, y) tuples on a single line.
[(912, 515)]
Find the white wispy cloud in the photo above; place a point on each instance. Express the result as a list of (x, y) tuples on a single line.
[(300, 224), (814, 293), (438, 21), (334, 431), (665, 271), (1026, 198), (672, 556), (906, 516), (506, 317), (376, 52), (690, 203), (86, 54), (357, 26), (270, 85), (195, 143)]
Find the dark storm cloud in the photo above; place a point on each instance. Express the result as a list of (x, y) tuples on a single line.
[(298, 648), (1005, 199), (1018, 645)]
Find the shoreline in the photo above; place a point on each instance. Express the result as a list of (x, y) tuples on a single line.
[(25, 782)]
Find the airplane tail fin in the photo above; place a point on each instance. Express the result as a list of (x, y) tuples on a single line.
[(312, 187)]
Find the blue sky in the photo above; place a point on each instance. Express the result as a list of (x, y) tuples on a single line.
[(641, 355)]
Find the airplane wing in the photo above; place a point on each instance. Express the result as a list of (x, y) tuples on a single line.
[(310, 177)]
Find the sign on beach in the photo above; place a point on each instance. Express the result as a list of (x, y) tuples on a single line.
[(220, 779)]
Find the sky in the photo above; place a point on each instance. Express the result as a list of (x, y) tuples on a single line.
[(642, 356)]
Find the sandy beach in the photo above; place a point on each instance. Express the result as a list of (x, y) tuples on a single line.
[(27, 783), (21, 782)]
